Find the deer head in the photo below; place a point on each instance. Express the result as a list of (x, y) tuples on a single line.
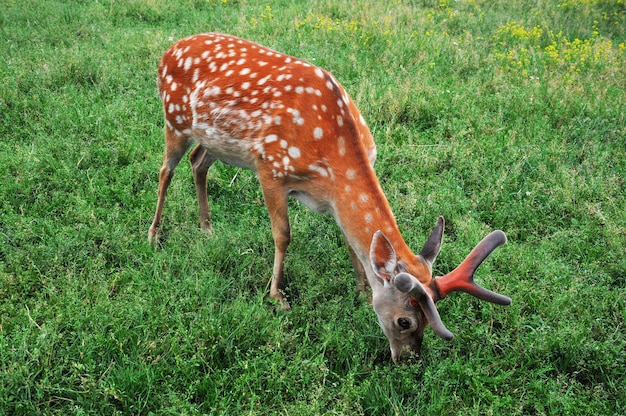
[(406, 294)]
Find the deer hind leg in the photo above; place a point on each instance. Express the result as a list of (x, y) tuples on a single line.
[(201, 161), (175, 148), (277, 207)]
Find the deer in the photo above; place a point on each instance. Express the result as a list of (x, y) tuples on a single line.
[(297, 128)]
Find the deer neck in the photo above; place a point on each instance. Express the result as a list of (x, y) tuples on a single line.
[(361, 209)]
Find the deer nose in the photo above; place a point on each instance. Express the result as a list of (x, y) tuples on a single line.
[(405, 352)]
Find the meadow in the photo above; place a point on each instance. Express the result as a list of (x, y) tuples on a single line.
[(495, 114)]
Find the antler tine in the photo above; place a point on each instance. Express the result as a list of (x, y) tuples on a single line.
[(462, 278)]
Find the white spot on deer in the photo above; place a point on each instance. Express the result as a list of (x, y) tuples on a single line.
[(350, 174), (341, 144), (241, 61), (277, 120), (244, 71), (364, 198), (369, 218), (283, 144), (299, 90), (345, 97), (188, 63), (245, 85), (348, 189), (340, 121), (212, 91), (318, 133), (296, 116), (294, 152), (264, 79), (271, 138), (260, 149), (319, 72), (319, 169)]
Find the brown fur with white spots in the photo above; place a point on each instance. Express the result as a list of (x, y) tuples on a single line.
[(297, 128)]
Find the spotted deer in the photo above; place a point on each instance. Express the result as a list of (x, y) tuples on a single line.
[(295, 126)]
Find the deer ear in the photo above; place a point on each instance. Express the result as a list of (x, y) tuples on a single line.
[(433, 244), (382, 257)]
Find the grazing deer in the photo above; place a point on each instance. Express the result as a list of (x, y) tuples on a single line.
[(297, 128)]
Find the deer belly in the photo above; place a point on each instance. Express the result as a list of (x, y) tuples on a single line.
[(314, 205), (226, 148)]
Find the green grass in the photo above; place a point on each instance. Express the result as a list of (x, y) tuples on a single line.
[(496, 114)]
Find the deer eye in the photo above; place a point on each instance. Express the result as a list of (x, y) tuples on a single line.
[(404, 323)]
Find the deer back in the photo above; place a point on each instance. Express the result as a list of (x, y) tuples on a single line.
[(256, 108)]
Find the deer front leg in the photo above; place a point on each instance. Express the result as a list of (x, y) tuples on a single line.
[(359, 272), (201, 161), (276, 203)]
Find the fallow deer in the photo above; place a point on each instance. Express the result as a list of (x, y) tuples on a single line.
[(295, 126)]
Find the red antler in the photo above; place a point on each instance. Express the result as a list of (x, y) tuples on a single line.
[(462, 278)]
